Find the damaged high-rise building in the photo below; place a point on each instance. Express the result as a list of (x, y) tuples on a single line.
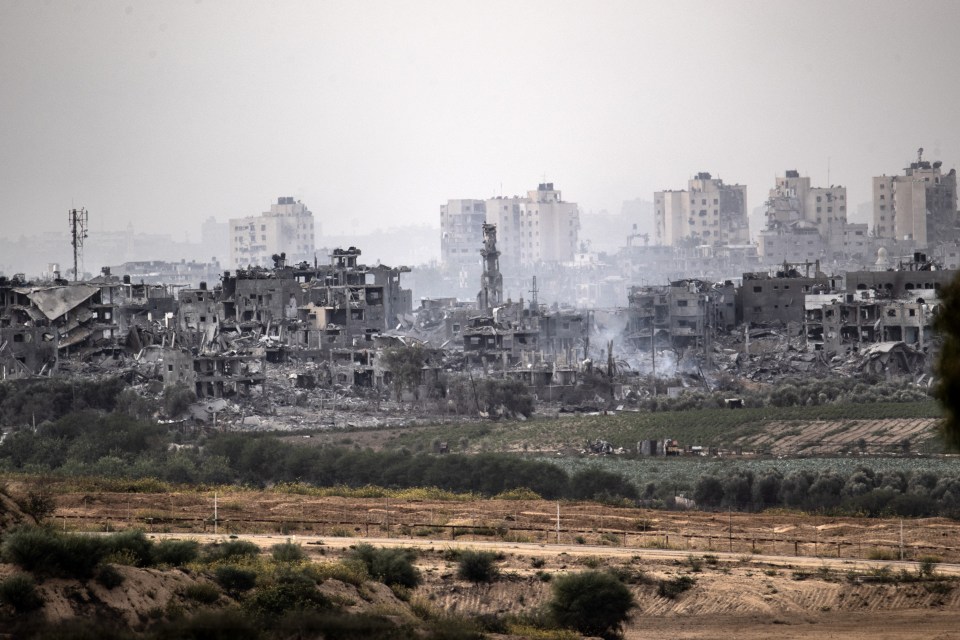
[(708, 212), (287, 228), (803, 222)]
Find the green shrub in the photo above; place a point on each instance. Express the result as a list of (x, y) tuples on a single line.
[(46, 552), (231, 550), (478, 566), (928, 566), (202, 592), (132, 544), (593, 603), (292, 592), (390, 566), (235, 579), (176, 553), (672, 588), (109, 577), (20, 592), (288, 552)]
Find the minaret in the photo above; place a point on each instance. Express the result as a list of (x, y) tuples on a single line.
[(491, 282)]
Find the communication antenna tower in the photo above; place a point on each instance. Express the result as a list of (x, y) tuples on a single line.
[(78, 231)]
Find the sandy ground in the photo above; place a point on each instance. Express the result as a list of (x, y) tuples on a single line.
[(769, 533)]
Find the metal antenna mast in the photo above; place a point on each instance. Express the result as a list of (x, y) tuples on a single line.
[(78, 231)]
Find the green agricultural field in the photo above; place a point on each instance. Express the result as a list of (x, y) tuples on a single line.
[(706, 427)]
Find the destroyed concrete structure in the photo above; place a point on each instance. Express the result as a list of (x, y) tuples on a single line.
[(804, 223), (686, 313)]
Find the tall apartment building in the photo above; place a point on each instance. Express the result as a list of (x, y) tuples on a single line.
[(552, 228), (707, 212), (920, 205), (287, 228), (796, 212), (461, 231), (540, 228)]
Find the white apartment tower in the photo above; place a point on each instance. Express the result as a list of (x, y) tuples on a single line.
[(552, 228), (709, 212), (287, 228), (920, 205)]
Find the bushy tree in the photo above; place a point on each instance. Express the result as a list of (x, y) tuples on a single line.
[(176, 398), (947, 389), (593, 603), (405, 365), (597, 484)]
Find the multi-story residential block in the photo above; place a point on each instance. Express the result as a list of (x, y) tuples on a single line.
[(287, 228), (708, 212), (552, 227), (509, 215), (920, 205), (540, 228), (461, 232)]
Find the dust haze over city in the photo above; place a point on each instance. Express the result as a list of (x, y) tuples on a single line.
[(159, 115), (646, 258)]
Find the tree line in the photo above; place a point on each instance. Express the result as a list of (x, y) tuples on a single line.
[(116, 445)]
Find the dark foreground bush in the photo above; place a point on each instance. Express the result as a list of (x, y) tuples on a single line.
[(176, 553), (109, 577), (478, 566), (235, 579), (45, 552), (593, 603), (20, 592), (672, 588), (202, 592), (228, 624), (329, 624), (390, 566)]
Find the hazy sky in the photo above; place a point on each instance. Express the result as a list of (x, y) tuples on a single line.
[(374, 113)]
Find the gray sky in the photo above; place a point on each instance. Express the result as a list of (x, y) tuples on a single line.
[(164, 113)]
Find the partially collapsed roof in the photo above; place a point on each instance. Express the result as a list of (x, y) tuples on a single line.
[(53, 302)]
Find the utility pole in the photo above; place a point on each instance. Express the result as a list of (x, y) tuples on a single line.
[(77, 219)]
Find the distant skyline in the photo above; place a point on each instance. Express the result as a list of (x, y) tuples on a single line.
[(375, 113)]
